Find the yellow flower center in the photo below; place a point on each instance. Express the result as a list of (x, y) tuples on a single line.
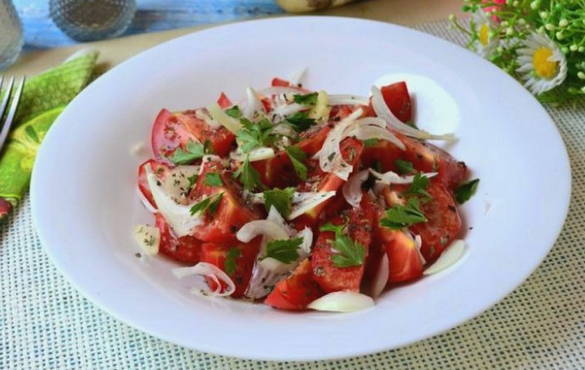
[(484, 34), (544, 67)]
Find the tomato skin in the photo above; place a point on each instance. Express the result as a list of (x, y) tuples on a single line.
[(360, 228), (280, 82), (296, 291), (216, 254), (158, 168), (185, 249), (220, 138), (397, 98), (443, 225), (223, 101), (231, 213), (384, 154), (404, 261)]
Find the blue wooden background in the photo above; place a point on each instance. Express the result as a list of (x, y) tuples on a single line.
[(152, 15)]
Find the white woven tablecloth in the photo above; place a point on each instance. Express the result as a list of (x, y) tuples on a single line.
[(45, 323)]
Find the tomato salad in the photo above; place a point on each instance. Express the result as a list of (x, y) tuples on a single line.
[(301, 199)]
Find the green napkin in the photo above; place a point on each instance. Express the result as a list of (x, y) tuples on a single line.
[(43, 98)]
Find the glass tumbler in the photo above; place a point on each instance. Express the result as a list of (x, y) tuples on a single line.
[(90, 20), (11, 39)]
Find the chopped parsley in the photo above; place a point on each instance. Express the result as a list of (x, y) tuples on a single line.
[(307, 99), (285, 251), (297, 157), (192, 180), (404, 167), (419, 187), (192, 152), (281, 199), (400, 216), (370, 142), (234, 112), (350, 253), (255, 134), (466, 190), (248, 176), (207, 205), (230, 261), (213, 179), (300, 121)]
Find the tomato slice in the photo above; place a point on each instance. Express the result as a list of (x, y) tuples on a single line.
[(443, 225), (231, 214), (158, 168), (381, 156), (330, 277), (220, 138), (185, 249), (296, 291), (280, 82), (397, 98), (223, 101), (404, 260), (217, 254)]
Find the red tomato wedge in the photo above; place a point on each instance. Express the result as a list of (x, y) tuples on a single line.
[(217, 254), (231, 214), (159, 169), (404, 259), (296, 291), (330, 277), (397, 98), (443, 225), (223, 101), (383, 154), (185, 249), (280, 82)]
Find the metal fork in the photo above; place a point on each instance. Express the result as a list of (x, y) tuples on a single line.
[(12, 93)]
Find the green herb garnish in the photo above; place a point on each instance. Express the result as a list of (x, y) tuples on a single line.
[(192, 152), (403, 167), (208, 205), (234, 112), (281, 199), (400, 216), (248, 176), (285, 251), (418, 187), (300, 121), (350, 253), (213, 179), (255, 134), (297, 157), (230, 260), (307, 99), (466, 190), (370, 142)]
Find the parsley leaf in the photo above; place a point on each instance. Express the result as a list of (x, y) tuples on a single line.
[(213, 179), (285, 251), (248, 176), (297, 157), (466, 191), (400, 216), (307, 99), (350, 253), (419, 186), (370, 142), (193, 151), (281, 199), (255, 134), (209, 204), (300, 121), (404, 167), (234, 112), (230, 260), (192, 180)]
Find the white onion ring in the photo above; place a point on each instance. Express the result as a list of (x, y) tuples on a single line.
[(352, 189), (204, 269), (382, 276), (345, 99)]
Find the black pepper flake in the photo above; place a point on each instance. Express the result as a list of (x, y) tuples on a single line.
[(137, 255)]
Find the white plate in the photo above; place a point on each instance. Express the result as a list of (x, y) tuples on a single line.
[(85, 203)]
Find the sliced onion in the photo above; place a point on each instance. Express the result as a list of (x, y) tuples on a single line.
[(303, 202), (348, 100), (418, 245), (391, 177), (297, 78), (373, 132), (204, 269), (381, 278), (382, 111), (448, 258), (284, 110), (342, 302), (268, 229), (232, 124), (204, 116), (258, 154), (330, 158), (305, 247), (284, 129), (352, 189), (253, 104), (148, 238), (178, 216)]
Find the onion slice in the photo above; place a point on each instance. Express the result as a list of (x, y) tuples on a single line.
[(352, 189), (258, 154), (148, 238), (342, 302), (303, 202), (297, 78), (381, 278), (203, 270), (348, 100), (217, 114), (253, 104), (391, 177), (268, 229), (448, 258), (279, 90), (382, 111)]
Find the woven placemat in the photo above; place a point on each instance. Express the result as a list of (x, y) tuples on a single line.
[(45, 323)]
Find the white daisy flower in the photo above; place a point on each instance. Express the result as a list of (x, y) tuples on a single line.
[(542, 64), (487, 40)]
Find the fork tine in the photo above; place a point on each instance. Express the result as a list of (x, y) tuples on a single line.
[(12, 111), (6, 96)]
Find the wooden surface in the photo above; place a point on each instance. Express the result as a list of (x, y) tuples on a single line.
[(405, 12)]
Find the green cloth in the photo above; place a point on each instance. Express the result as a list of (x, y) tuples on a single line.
[(44, 97)]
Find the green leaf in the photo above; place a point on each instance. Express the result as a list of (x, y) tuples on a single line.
[(192, 180), (371, 142), (230, 261), (400, 216), (350, 253), (192, 152), (285, 251), (213, 179), (209, 204), (465, 191), (307, 99), (255, 134), (300, 121), (419, 186), (404, 167), (297, 157), (248, 176), (281, 199), (234, 112)]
